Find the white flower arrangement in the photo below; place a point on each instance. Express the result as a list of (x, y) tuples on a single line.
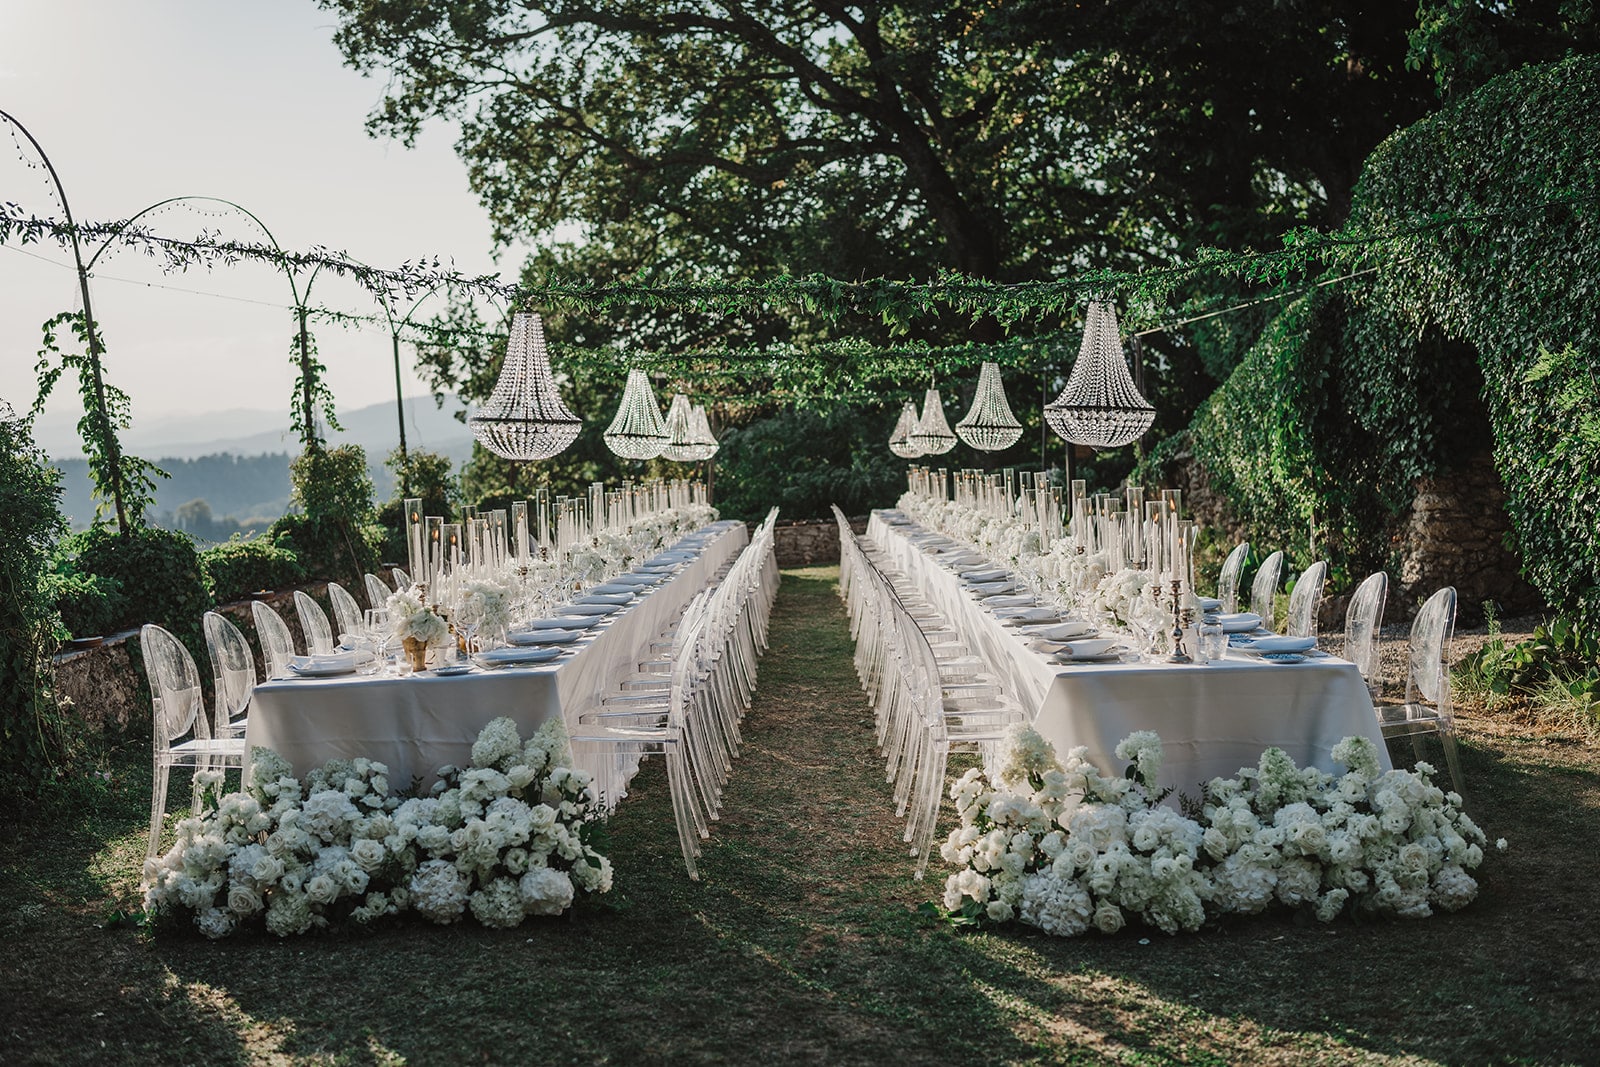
[(485, 602), (1385, 843), (506, 837), (410, 617), (1120, 595)]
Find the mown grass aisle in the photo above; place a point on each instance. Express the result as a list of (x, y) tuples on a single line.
[(802, 944)]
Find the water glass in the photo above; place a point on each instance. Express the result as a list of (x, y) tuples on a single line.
[(1211, 643)]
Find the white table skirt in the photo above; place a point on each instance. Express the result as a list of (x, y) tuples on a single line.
[(419, 723), (1213, 718)]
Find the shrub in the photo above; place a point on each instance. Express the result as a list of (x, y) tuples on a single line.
[(157, 573), (89, 604), (425, 475), (237, 567), (35, 735), (334, 536)]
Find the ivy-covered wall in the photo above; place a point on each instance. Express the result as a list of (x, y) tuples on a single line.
[(1358, 390)]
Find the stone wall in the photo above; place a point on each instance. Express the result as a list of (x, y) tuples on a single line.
[(810, 543), (1454, 533)]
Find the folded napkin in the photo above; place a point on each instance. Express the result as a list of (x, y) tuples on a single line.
[(1280, 644), (1018, 616), (336, 663), (529, 638), (994, 587), (985, 574), (497, 657), (1013, 600), (1240, 622), (1063, 631), (1089, 648)]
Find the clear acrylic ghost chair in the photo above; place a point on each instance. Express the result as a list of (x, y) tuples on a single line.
[(377, 593), (233, 669), (314, 625), (1427, 709), (345, 609), (1264, 589), (181, 733), (402, 580), (277, 640), (1228, 580), (1305, 600), (1363, 623)]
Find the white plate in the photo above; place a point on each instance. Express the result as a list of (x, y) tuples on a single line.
[(1109, 657), (1022, 616), (985, 588), (1283, 657), (595, 610), (1239, 622), (1010, 600), (984, 574), (571, 622), (450, 670), (1062, 631), (323, 666), (622, 583), (1209, 603), (532, 638), (618, 599), (1089, 648), (507, 657)]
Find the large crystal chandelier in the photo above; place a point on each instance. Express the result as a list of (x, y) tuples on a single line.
[(900, 440), (638, 431), (989, 426), (688, 432), (1100, 406), (524, 418), (933, 435)]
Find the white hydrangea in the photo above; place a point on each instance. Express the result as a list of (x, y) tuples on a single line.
[(438, 891), (545, 891)]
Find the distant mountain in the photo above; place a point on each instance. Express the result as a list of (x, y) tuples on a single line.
[(246, 475)]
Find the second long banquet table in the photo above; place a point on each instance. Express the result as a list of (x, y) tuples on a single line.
[(1213, 718), (418, 723)]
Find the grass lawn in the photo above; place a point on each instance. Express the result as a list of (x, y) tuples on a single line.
[(803, 943)]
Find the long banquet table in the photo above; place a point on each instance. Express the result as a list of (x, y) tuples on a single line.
[(418, 723), (1213, 718)]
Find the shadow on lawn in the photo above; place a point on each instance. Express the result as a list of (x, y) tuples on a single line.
[(802, 944)]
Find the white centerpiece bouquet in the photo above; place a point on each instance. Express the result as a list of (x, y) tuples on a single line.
[(417, 625)]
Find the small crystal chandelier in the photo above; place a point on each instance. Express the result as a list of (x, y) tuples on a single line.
[(638, 431), (900, 440), (990, 426), (704, 440), (1100, 406), (524, 418), (689, 433), (933, 435)]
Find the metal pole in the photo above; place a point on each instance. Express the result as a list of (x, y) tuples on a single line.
[(400, 412)]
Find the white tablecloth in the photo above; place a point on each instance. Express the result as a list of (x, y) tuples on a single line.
[(419, 723), (1213, 718)]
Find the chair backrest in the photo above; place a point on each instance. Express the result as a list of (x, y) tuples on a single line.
[(313, 624), (277, 640), (402, 580), (1432, 632), (1305, 600), (233, 667), (377, 593), (345, 609), (176, 701), (1228, 580), (1265, 588), (1363, 620)]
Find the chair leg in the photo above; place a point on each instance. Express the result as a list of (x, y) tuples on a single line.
[(1451, 760), (158, 808)]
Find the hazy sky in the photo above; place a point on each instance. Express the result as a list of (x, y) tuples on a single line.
[(241, 99)]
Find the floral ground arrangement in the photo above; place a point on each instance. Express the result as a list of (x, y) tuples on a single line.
[(1375, 842), (504, 838), (804, 943)]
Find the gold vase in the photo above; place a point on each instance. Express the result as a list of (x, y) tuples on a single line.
[(417, 653)]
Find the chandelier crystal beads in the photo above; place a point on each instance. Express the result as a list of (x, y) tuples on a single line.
[(990, 426), (933, 435), (524, 418), (1100, 406), (638, 431), (900, 440)]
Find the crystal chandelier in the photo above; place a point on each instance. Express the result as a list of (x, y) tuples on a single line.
[(524, 418), (638, 431), (688, 432), (989, 426), (932, 435), (900, 440), (1100, 406), (704, 440)]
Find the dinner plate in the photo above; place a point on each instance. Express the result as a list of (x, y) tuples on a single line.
[(509, 657), (1005, 600), (1021, 616), (985, 588), (1239, 622), (1209, 603), (1109, 657), (544, 637), (1283, 657), (985, 574), (618, 599), (450, 670), (571, 622), (623, 582), (323, 666), (587, 609), (1090, 647)]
